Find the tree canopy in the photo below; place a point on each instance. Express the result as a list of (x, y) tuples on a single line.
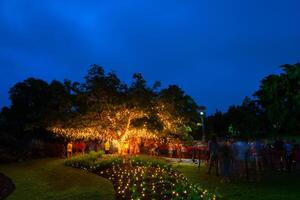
[(273, 109), (102, 107)]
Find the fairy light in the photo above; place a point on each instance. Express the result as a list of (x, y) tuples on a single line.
[(116, 125), (132, 179)]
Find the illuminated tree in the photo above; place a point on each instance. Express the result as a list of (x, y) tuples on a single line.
[(108, 109), (177, 111), (111, 110)]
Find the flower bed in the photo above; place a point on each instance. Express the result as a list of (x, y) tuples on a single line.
[(144, 178), (94, 161), (149, 162), (143, 182)]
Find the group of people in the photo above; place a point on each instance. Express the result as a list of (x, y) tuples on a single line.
[(81, 147), (78, 147), (250, 158), (176, 150)]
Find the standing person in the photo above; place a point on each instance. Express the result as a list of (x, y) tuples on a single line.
[(194, 153), (213, 148), (152, 150), (170, 150), (183, 151), (106, 147), (69, 149), (259, 150), (83, 147), (80, 147), (92, 146), (296, 157), (225, 158), (177, 149), (265, 155), (252, 152), (255, 158), (279, 154), (156, 149), (179, 152), (270, 155), (288, 148), (136, 149), (241, 150)]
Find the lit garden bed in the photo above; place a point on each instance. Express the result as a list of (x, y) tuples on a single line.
[(141, 182), (144, 178)]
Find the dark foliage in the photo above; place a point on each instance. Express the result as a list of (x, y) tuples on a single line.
[(6, 186), (274, 109)]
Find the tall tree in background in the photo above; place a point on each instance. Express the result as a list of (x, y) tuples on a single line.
[(271, 97), (177, 111), (244, 119), (216, 124), (274, 108), (29, 100), (279, 96), (36, 104), (291, 79)]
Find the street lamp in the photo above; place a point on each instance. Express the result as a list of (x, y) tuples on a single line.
[(202, 114)]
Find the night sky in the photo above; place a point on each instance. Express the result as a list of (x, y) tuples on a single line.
[(217, 51)]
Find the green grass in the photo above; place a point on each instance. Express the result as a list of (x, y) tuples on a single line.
[(274, 186), (50, 179)]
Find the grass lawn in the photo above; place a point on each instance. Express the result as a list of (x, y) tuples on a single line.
[(274, 186), (50, 179)]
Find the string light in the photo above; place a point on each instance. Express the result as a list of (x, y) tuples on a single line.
[(142, 182)]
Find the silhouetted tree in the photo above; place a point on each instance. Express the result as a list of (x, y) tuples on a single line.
[(274, 108)]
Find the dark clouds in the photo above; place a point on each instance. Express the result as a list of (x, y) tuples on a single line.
[(216, 50)]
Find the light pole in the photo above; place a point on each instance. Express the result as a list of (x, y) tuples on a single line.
[(202, 114)]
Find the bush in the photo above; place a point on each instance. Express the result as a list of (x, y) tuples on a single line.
[(93, 161), (106, 162), (84, 161), (6, 186), (149, 162)]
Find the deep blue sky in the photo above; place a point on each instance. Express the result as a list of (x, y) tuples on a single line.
[(217, 51)]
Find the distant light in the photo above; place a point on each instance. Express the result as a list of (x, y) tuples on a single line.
[(201, 113)]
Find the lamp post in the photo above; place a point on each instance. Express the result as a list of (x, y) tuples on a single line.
[(202, 114)]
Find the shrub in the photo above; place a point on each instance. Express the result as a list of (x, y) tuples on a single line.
[(149, 162), (93, 161), (84, 161), (106, 162)]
